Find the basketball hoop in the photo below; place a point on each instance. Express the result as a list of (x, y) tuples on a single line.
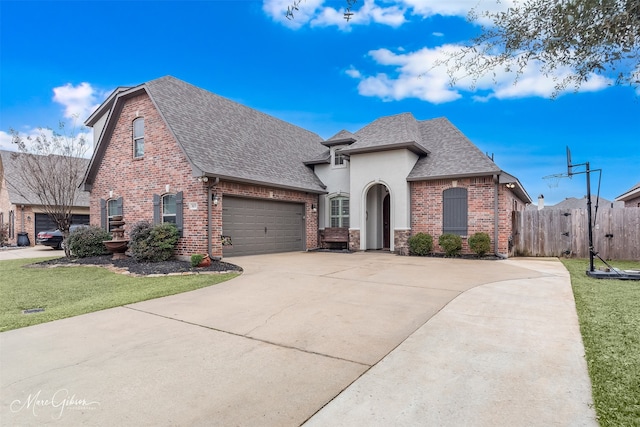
[(553, 181)]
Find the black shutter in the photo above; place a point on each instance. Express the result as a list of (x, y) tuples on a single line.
[(103, 214), (119, 206), (454, 215), (179, 217), (156, 209)]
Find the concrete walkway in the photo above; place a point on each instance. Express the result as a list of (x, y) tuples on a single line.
[(321, 338)]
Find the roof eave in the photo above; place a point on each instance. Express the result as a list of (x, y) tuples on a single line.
[(268, 184), (628, 195), (411, 146), (452, 176), (340, 141)]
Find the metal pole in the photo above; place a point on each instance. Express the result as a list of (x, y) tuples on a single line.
[(589, 218)]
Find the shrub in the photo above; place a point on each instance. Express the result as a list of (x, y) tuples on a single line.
[(420, 244), (480, 243), (4, 234), (196, 259), (153, 243), (87, 241), (451, 243)]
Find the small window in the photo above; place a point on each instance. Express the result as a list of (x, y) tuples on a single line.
[(454, 211), (138, 137), (340, 212), (112, 210), (169, 208), (339, 160)]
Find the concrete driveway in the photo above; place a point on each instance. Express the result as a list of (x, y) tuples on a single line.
[(323, 338)]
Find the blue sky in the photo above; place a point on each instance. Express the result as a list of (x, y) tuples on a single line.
[(59, 59)]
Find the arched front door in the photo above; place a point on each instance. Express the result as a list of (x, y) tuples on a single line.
[(386, 222), (378, 218)]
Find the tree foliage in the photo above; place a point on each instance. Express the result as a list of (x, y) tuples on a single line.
[(48, 171), (567, 40), (586, 37)]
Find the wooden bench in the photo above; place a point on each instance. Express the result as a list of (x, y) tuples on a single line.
[(336, 235)]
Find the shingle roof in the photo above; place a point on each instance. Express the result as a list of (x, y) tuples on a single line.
[(342, 137), (390, 132), (229, 140), (451, 153), (575, 203), (21, 194)]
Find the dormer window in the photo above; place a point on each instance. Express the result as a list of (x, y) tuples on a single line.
[(138, 137), (338, 160)]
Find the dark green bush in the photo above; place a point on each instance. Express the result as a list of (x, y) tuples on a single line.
[(451, 244), (196, 259), (87, 241), (153, 243), (4, 234), (480, 243), (420, 244)]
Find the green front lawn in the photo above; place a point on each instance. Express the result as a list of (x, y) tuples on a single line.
[(609, 313), (70, 291)]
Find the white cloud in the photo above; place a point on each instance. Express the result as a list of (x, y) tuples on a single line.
[(316, 14), (418, 75), (78, 101), (384, 12)]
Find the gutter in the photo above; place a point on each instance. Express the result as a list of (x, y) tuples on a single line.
[(496, 222)]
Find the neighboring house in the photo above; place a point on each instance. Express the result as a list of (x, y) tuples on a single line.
[(21, 210), (575, 203), (631, 198), (236, 181)]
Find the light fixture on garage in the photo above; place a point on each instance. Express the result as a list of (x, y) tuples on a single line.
[(203, 178), (313, 208), (214, 198), (510, 185)]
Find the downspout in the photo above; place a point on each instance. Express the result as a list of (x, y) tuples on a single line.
[(496, 219), (209, 212)]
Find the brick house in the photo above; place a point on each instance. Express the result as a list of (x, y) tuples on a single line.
[(631, 197), (20, 210), (237, 182)]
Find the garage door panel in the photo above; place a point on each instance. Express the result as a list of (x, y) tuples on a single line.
[(262, 226)]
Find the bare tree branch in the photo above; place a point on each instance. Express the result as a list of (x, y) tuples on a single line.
[(49, 168)]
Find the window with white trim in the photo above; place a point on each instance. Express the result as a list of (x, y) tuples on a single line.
[(169, 208), (338, 159), (138, 137), (339, 212), (112, 210)]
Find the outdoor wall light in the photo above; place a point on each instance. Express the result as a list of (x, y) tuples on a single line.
[(313, 208), (510, 185), (203, 178), (214, 198)]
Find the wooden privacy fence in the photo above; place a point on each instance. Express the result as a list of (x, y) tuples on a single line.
[(557, 232)]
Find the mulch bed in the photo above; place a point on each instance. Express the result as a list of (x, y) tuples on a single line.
[(141, 268)]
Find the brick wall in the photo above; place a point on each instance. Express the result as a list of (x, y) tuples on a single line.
[(427, 213), (164, 164)]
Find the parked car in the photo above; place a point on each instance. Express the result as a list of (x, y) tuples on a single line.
[(54, 238)]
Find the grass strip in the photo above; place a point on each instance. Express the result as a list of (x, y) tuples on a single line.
[(69, 291), (609, 314)]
